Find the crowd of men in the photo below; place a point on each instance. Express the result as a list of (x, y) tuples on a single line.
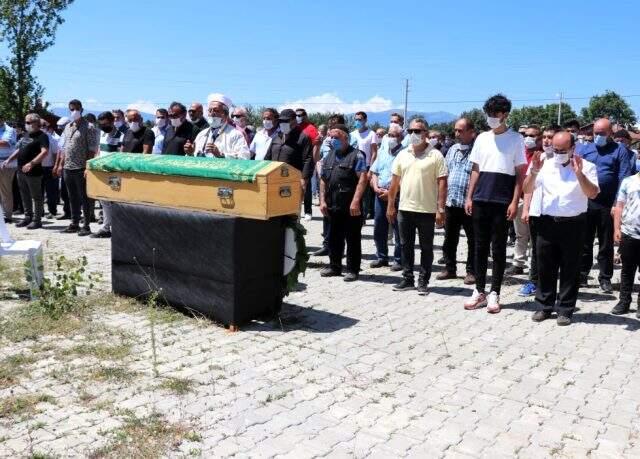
[(557, 187)]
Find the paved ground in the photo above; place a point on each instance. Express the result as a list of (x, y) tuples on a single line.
[(353, 370)]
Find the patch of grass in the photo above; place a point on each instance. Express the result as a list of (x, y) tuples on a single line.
[(151, 436), (12, 277), (23, 405), (31, 322), (178, 386), (162, 313), (193, 436), (114, 374), (101, 351), (13, 367)]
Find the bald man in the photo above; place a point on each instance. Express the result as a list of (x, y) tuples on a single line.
[(613, 163), (196, 116), (561, 188)]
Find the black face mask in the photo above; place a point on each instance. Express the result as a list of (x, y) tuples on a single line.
[(104, 128)]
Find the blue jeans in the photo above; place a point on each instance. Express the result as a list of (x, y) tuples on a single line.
[(381, 231)]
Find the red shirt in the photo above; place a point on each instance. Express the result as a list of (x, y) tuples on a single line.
[(310, 131)]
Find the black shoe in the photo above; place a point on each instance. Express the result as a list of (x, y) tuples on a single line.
[(84, 231), (323, 252), (423, 288), (379, 263), (23, 223), (50, 216), (514, 270), (511, 242), (101, 221), (101, 234), (8, 220), (72, 228), (539, 316), (396, 267), (563, 321), (34, 225), (404, 285), (584, 281), (605, 286), (620, 308), (350, 277), (64, 217), (441, 261), (469, 279), (330, 272), (446, 275)]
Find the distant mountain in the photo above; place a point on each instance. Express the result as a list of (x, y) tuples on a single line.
[(431, 117)]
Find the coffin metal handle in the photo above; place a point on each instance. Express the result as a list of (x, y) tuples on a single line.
[(115, 183), (284, 171), (225, 193), (285, 191)]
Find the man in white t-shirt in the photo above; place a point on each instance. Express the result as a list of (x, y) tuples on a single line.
[(499, 166), (365, 140), (262, 140)]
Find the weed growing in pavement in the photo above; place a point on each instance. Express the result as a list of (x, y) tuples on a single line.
[(12, 367), (100, 351), (22, 405), (113, 374), (179, 386)]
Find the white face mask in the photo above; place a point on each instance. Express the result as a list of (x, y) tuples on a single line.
[(75, 115), (175, 122), (215, 122), (161, 122), (530, 142), (464, 147), (285, 128), (267, 124), (29, 128), (392, 142), (561, 158), (394, 124), (415, 139), (299, 119), (118, 124), (134, 126), (433, 142), (493, 122)]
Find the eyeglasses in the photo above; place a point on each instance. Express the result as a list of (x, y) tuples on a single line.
[(415, 131), (561, 152), (191, 111), (29, 122), (237, 116), (174, 116)]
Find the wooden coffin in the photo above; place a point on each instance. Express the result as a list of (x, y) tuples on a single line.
[(245, 188)]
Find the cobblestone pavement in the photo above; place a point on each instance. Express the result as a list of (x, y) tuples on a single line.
[(352, 370)]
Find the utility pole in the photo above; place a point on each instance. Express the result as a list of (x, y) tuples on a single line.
[(406, 100), (560, 110)]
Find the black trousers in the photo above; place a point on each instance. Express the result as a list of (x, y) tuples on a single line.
[(630, 254), (308, 197), (345, 228), (77, 189), (455, 219), (326, 230), (17, 197), (490, 227), (66, 206), (559, 248), (600, 223), (533, 231), (51, 189), (424, 224)]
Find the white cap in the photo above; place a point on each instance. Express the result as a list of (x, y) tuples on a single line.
[(215, 97), (63, 121)]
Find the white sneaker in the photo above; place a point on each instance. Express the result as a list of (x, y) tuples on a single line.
[(476, 301), (493, 303), (307, 217)]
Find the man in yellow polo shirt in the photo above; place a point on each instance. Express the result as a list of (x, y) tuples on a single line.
[(420, 172)]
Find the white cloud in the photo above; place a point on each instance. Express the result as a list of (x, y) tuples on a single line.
[(143, 106), (330, 102)]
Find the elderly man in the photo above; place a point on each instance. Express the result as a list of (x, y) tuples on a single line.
[(381, 174), (459, 167), (436, 139), (7, 147), (423, 173), (566, 182), (196, 117), (240, 118), (80, 144), (221, 139), (292, 146), (344, 178), (30, 152), (262, 140), (613, 163), (179, 136), (139, 138)]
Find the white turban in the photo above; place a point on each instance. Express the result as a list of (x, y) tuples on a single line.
[(215, 97)]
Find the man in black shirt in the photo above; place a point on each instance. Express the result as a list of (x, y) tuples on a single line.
[(179, 133), (139, 138), (31, 150), (196, 116)]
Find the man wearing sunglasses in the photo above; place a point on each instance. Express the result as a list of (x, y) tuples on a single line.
[(420, 174), (240, 118), (562, 186)]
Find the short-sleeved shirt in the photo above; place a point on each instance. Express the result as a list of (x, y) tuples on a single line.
[(30, 146), (50, 159), (629, 194), (363, 142), (79, 138), (497, 157), (7, 134), (419, 179), (261, 143), (459, 167), (110, 142), (382, 166), (133, 142), (158, 141)]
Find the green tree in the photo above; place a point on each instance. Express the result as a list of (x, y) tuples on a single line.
[(27, 27), (542, 115), (609, 105), (478, 117)]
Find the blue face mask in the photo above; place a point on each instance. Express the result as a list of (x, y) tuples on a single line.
[(359, 124), (600, 140), (336, 144)]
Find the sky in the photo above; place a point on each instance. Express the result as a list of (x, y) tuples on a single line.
[(342, 55)]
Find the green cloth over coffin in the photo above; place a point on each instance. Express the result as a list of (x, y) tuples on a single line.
[(236, 170)]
